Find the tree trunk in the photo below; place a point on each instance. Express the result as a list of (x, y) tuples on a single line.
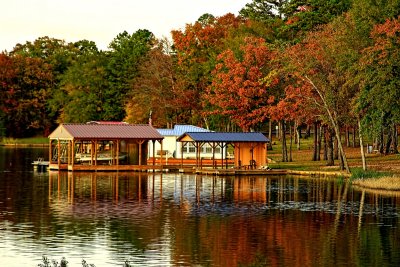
[(363, 159), (298, 134), (326, 130), (308, 132), (291, 142), (269, 145), (315, 148), (335, 148), (335, 124), (380, 141), (354, 136), (347, 136), (395, 139), (319, 143), (388, 140), (329, 148), (283, 138)]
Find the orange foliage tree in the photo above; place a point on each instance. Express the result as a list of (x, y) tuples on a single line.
[(237, 89), (196, 49)]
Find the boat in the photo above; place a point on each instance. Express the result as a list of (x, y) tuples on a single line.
[(40, 164), (101, 156)]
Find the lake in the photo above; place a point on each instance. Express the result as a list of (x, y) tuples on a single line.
[(172, 219)]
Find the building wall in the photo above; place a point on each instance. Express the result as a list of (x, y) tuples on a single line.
[(174, 149), (245, 152)]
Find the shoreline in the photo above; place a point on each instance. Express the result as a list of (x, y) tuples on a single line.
[(24, 145)]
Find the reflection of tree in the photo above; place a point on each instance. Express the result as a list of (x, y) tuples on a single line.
[(281, 221)]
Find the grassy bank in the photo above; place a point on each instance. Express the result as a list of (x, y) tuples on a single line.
[(381, 183), (383, 170), (24, 141)]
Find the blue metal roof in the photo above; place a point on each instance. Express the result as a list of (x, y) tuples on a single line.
[(226, 137), (181, 129)]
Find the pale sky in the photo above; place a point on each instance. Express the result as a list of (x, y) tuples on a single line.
[(101, 20)]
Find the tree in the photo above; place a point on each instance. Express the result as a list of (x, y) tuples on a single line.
[(320, 61), (264, 10), (153, 89), (237, 90), (126, 52), (25, 86), (379, 72), (196, 50), (84, 87)]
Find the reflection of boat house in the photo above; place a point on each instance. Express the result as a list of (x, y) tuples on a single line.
[(250, 149), (90, 147)]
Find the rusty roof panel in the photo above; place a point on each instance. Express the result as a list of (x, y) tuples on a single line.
[(112, 131)]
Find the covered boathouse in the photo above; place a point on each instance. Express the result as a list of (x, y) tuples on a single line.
[(249, 148), (102, 147)]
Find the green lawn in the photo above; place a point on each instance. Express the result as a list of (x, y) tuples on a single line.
[(31, 140)]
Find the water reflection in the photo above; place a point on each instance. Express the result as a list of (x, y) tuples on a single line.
[(185, 220)]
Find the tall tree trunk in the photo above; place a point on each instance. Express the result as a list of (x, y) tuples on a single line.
[(315, 148), (291, 142), (395, 139), (381, 141), (308, 132), (283, 138), (333, 118), (341, 162), (354, 136), (326, 130), (335, 148), (270, 134), (330, 161), (360, 137), (347, 136), (388, 140), (298, 134), (319, 137)]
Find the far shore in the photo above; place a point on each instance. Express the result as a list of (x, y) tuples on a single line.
[(24, 145)]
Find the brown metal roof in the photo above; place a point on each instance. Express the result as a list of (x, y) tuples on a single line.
[(106, 131)]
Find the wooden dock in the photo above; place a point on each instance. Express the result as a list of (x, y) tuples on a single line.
[(238, 172)]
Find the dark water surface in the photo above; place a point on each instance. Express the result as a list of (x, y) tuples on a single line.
[(188, 220)]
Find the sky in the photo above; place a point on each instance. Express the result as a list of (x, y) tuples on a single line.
[(101, 20)]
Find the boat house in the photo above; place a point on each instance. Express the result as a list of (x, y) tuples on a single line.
[(103, 147), (249, 149), (173, 149)]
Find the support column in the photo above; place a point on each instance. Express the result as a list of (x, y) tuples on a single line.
[(58, 153), (50, 150), (117, 153)]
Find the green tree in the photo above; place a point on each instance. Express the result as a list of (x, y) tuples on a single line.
[(84, 87), (126, 52)]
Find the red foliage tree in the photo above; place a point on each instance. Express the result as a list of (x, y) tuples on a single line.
[(237, 88)]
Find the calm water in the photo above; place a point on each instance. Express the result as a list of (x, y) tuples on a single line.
[(189, 220)]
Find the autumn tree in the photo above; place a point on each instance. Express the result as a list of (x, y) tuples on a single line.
[(25, 85), (237, 89), (380, 70), (152, 92), (196, 49), (320, 61)]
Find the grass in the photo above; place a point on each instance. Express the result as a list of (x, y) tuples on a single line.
[(383, 170), (380, 183), (24, 141)]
